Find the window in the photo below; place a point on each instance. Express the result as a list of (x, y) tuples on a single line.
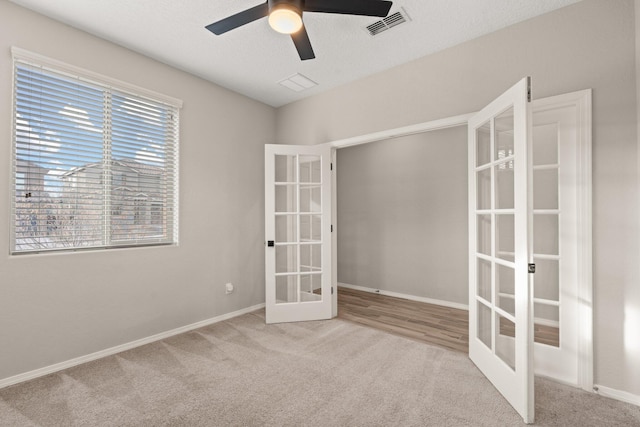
[(94, 161)]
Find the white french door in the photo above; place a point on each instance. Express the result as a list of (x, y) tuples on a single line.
[(555, 243), (500, 252), (298, 233)]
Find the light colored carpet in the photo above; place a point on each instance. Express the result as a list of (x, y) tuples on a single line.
[(242, 372)]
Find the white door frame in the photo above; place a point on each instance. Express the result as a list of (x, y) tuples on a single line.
[(581, 102)]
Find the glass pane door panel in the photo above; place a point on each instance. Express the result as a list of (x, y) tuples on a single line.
[(484, 324), (546, 326), (286, 289), (483, 183), (505, 341), (286, 200), (310, 228), (310, 169), (297, 216), (547, 279), (484, 234), (545, 313), (504, 135), (286, 259), (286, 229), (285, 167), (310, 257), (484, 279), (504, 185), (310, 289), (505, 284), (505, 237), (546, 236), (497, 203), (310, 198), (545, 189), (545, 144), (483, 144)]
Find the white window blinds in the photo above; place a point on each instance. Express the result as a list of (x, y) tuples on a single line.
[(94, 166)]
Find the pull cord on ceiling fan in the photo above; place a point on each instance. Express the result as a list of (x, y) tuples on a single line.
[(285, 16)]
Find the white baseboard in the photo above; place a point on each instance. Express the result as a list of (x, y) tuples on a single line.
[(546, 322), (406, 296), (539, 321), (620, 395), (123, 347)]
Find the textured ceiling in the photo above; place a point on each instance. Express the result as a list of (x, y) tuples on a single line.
[(252, 59)]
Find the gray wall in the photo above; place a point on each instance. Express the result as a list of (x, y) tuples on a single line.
[(587, 45), (57, 307), (402, 215)]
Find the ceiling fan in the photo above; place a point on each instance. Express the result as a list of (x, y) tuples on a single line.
[(285, 16)]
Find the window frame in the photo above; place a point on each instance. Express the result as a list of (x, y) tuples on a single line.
[(109, 86)]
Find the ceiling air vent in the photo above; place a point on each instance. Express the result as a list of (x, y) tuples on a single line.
[(388, 22), (298, 82)]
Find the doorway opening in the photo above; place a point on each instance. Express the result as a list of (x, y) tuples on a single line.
[(561, 210), (510, 197)]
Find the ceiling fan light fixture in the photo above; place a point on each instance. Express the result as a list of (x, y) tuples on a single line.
[(285, 16), (285, 19)]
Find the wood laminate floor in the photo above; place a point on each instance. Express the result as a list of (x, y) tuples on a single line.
[(432, 324)]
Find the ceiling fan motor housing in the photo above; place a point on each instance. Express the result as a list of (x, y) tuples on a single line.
[(295, 5)]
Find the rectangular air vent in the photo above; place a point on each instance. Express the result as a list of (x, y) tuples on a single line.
[(298, 83), (388, 22)]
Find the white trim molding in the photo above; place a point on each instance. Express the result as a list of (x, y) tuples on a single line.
[(442, 303), (620, 395), (40, 372), (445, 123)]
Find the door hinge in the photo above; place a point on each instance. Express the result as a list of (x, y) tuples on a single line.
[(532, 268), (332, 290), (332, 228), (528, 89), (331, 166)]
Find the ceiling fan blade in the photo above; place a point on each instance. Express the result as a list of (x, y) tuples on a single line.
[(303, 44), (239, 19), (349, 7)]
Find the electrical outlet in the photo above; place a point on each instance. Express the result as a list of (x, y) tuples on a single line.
[(228, 288)]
